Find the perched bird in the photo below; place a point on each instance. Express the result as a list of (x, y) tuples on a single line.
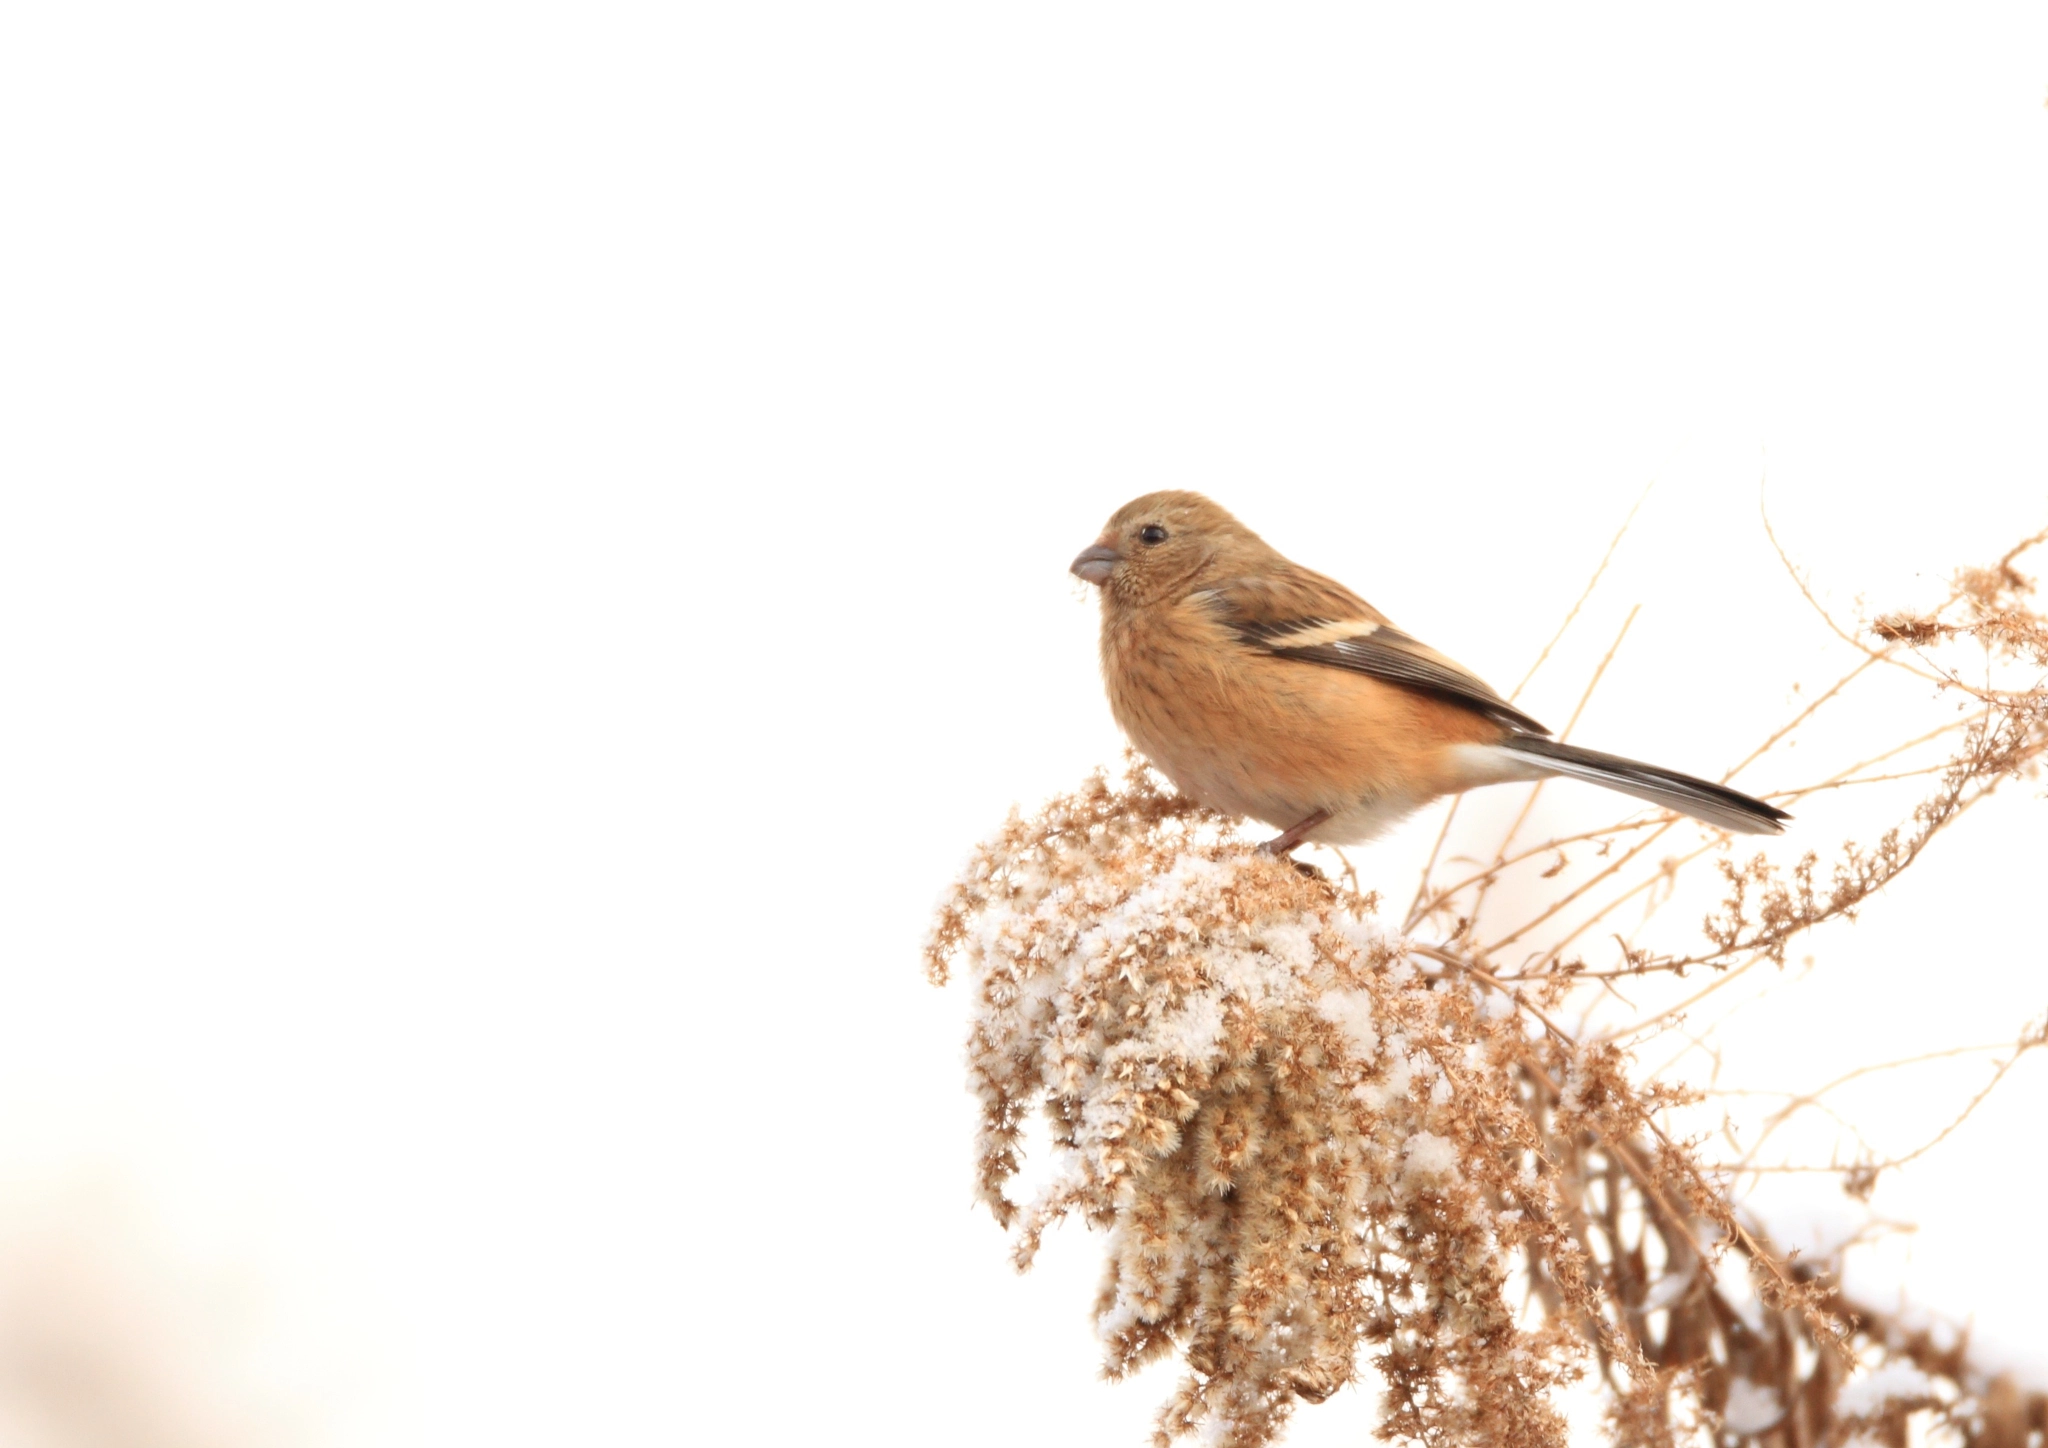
[(1263, 689)]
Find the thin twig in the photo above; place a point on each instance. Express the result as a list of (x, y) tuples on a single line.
[(1726, 978), (1796, 1168), (1792, 1107), (1429, 865), (1585, 697), (1884, 655), (1591, 584)]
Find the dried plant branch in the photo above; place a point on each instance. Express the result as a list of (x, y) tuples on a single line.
[(1315, 1162)]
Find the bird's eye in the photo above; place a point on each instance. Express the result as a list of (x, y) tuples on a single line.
[(1151, 533)]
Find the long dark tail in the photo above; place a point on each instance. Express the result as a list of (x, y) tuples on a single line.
[(1714, 803)]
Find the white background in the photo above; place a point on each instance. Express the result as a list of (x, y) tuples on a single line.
[(534, 538)]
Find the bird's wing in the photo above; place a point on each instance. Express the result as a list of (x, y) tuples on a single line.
[(1300, 615)]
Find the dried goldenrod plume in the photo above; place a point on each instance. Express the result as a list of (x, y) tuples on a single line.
[(1299, 1142), (1326, 1147)]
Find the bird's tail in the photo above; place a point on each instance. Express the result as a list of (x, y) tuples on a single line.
[(1716, 804)]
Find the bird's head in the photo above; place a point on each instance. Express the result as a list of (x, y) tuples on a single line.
[(1163, 545)]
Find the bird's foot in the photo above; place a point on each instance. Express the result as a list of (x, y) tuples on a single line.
[(1281, 843)]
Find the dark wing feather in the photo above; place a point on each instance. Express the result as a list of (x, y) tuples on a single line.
[(1304, 616), (1391, 655)]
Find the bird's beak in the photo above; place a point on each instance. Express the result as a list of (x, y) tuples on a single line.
[(1096, 564)]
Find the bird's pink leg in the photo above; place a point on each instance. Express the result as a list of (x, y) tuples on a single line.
[(1280, 844)]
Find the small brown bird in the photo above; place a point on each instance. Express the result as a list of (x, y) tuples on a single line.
[(1262, 689)]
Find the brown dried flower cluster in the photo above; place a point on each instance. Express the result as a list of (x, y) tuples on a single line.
[(1298, 1142), (1323, 1146)]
